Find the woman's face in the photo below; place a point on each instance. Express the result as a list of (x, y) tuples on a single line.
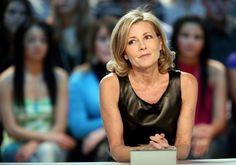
[(143, 45), (102, 45), (65, 6), (14, 16), (190, 40), (35, 44)]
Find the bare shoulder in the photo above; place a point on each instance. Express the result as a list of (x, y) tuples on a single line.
[(82, 68), (6, 77), (110, 81), (215, 67), (61, 73), (188, 80)]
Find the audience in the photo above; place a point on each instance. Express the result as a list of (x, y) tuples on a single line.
[(222, 28), (78, 43), (34, 100), (191, 42), (85, 122)]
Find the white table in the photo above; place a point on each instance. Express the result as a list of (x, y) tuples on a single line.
[(187, 162)]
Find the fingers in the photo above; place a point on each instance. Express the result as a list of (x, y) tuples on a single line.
[(199, 147), (159, 141)]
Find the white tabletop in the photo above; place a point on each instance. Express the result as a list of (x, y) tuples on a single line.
[(186, 162)]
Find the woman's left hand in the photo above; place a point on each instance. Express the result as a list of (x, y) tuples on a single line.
[(159, 141)]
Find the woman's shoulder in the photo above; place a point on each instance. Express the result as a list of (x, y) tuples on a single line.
[(187, 79), (60, 73), (110, 80), (82, 68), (215, 67), (6, 77)]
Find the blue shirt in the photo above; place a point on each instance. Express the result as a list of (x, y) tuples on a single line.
[(84, 107)]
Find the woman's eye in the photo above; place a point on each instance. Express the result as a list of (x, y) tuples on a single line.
[(131, 42), (148, 37)]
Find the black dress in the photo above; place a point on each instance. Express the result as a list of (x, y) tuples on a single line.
[(142, 120)]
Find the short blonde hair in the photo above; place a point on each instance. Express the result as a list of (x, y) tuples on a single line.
[(119, 40)]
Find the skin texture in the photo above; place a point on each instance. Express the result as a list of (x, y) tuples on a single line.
[(35, 49), (190, 44), (142, 51)]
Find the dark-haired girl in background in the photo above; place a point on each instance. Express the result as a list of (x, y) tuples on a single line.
[(190, 40), (34, 100)]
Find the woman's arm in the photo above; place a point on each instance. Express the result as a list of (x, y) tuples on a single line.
[(189, 88), (61, 105), (78, 112), (218, 78)]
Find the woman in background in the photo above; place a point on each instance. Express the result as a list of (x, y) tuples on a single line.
[(190, 40), (85, 121), (71, 20), (34, 100)]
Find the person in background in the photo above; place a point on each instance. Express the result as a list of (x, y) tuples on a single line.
[(190, 40), (71, 19), (144, 102), (12, 14), (222, 28), (33, 96), (85, 123), (231, 73)]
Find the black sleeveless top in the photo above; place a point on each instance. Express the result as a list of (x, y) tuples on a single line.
[(142, 120)]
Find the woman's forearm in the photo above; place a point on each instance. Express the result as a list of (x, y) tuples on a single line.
[(182, 151)]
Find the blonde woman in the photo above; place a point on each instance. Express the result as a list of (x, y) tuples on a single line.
[(144, 101)]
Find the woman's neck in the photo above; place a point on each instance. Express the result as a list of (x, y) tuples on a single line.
[(34, 67), (147, 77), (188, 61)]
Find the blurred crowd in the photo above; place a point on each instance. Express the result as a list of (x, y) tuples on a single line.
[(54, 53)]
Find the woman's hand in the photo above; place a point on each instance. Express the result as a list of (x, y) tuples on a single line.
[(26, 151), (159, 141), (63, 140), (202, 137), (92, 140)]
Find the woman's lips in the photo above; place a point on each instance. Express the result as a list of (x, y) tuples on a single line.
[(144, 55)]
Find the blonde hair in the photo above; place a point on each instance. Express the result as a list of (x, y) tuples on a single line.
[(119, 39)]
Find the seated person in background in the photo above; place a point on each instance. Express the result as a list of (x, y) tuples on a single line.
[(144, 102), (231, 71), (33, 97), (190, 40), (85, 122)]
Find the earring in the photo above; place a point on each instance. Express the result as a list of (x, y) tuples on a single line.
[(126, 57)]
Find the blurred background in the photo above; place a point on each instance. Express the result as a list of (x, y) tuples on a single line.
[(202, 32)]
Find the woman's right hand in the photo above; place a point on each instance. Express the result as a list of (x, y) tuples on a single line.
[(159, 141), (63, 140)]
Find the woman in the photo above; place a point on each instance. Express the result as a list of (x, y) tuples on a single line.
[(190, 40), (34, 100), (84, 93), (71, 19), (148, 103), (12, 14)]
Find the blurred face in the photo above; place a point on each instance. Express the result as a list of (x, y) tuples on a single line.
[(14, 16), (102, 45), (217, 9), (143, 45), (190, 40), (65, 6), (35, 44)]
